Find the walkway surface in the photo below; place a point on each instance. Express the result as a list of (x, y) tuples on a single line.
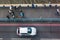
[(32, 12)]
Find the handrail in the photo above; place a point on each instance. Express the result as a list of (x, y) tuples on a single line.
[(30, 20)]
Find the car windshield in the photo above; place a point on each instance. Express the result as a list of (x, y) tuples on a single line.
[(29, 30)]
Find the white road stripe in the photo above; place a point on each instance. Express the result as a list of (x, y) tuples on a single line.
[(1, 38), (20, 38), (48, 39)]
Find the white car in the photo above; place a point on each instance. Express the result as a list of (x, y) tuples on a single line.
[(26, 31)]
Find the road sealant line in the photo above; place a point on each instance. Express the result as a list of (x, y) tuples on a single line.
[(18, 25)]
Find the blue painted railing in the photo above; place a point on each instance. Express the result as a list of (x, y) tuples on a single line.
[(29, 19)]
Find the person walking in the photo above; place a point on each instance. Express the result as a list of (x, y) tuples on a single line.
[(21, 14), (49, 4), (58, 12), (8, 16), (13, 16)]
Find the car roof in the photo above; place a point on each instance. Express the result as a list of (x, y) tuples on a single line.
[(23, 30)]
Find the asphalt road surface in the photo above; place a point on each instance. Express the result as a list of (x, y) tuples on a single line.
[(42, 32)]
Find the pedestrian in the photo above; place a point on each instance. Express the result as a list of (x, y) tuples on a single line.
[(49, 4), (56, 6), (15, 7), (33, 5), (58, 12), (8, 16), (44, 5), (10, 7), (11, 12), (21, 14), (13, 16)]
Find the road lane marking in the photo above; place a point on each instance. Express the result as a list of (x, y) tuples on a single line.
[(1, 38), (49, 39), (20, 38)]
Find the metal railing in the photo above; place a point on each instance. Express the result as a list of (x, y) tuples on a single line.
[(30, 20)]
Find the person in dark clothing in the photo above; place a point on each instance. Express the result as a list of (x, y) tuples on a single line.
[(33, 6), (44, 6), (11, 12), (13, 16), (58, 12), (56, 6), (50, 4), (15, 7), (21, 14), (8, 16)]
